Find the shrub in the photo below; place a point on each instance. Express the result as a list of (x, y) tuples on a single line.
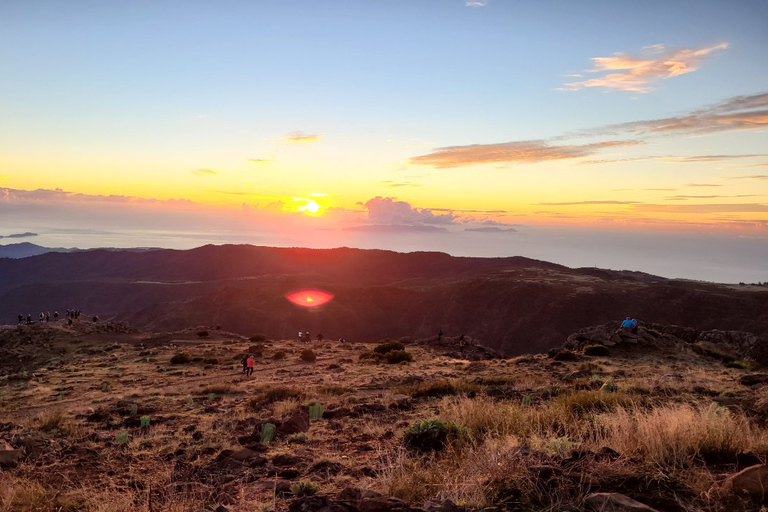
[(202, 334), (370, 357), (211, 360), (181, 358), (218, 389), (51, 420), (592, 400), (438, 388), (274, 394), (258, 338), (566, 355), (256, 350), (388, 346), (597, 350), (308, 356), (277, 356), (398, 356), (303, 488), (430, 435)]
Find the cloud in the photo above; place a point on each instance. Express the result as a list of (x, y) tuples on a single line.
[(475, 3), (20, 235), (388, 211), (301, 137), (702, 185), (685, 198), (701, 208), (739, 113), (526, 152), (635, 73), (259, 161), (574, 203), (753, 177), (204, 172), (660, 189), (713, 158), (492, 229), (395, 228)]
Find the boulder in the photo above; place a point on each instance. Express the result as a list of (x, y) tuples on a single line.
[(753, 379), (615, 502), (296, 424), (752, 482)]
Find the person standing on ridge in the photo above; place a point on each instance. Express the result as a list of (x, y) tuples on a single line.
[(249, 366)]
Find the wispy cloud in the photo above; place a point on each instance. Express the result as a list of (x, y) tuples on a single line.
[(259, 160), (575, 203), (204, 172), (702, 185), (739, 113), (635, 73), (476, 3), (685, 198), (525, 152), (701, 208), (301, 137), (753, 177)]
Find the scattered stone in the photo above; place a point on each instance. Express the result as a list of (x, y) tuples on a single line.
[(615, 502), (752, 482), (296, 424), (441, 506), (8, 456)]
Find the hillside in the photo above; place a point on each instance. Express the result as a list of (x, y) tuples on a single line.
[(652, 417), (515, 305)]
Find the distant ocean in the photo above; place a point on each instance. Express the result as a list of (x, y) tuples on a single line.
[(706, 257)]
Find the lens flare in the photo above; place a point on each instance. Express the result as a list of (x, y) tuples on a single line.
[(309, 298)]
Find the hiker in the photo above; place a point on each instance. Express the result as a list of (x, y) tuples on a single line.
[(629, 324), (634, 326), (461, 343), (307, 337), (42, 317), (21, 318), (319, 337), (301, 334), (29, 318), (249, 366), (244, 362), (55, 316), (47, 316)]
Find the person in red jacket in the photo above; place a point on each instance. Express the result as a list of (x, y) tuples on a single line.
[(249, 366)]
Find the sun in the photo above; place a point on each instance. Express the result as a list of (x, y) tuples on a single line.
[(310, 207)]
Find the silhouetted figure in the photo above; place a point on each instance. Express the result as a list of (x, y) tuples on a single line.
[(307, 337), (29, 318), (301, 336), (244, 362), (47, 316), (319, 336), (21, 318), (95, 319), (461, 343), (440, 335), (55, 316), (249, 366)]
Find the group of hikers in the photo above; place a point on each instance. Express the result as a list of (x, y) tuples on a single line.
[(45, 316)]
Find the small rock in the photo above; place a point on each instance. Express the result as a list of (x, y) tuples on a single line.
[(441, 506), (754, 379), (296, 424), (8, 456), (615, 502)]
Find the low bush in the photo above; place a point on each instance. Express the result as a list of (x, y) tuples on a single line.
[(566, 355), (430, 435), (181, 358), (211, 360), (398, 356), (597, 350), (388, 346), (438, 388), (277, 356), (272, 394), (303, 488), (308, 355), (258, 338), (256, 350), (592, 401), (202, 334)]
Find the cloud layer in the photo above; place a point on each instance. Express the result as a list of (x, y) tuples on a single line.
[(525, 152), (635, 73)]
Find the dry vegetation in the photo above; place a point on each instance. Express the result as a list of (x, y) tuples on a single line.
[(524, 434)]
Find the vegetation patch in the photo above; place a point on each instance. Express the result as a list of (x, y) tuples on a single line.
[(258, 338), (430, 435), (308, 355), (597, 351), (181, 358), (439, 388), (388, 346)]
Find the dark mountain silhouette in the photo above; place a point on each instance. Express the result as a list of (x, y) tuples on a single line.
[(515, 305)]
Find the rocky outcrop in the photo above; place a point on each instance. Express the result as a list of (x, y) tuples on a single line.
[(615, 502), (751, 482), (718, 343)]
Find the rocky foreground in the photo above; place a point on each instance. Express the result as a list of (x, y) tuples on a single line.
[(99, 417)]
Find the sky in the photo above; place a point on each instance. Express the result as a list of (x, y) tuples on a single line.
[(591, 133)]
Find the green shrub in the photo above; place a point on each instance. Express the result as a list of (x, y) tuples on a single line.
[(388, 346), (597, 350), (430, 435), (398, 356), (181, 358), (258, 338), (303, 488), (308, 355), (370, 357)]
